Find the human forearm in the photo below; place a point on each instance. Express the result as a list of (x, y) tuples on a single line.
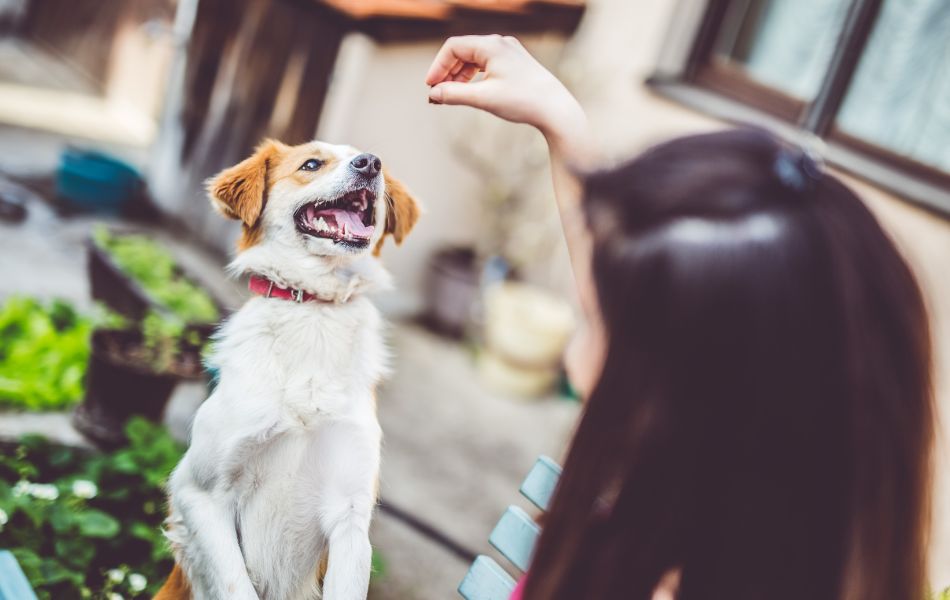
[(517, 88)]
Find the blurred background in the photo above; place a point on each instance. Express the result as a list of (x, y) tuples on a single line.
[(113, 113)]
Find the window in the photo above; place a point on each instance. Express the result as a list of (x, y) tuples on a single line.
[(869, 76), (899, 98)]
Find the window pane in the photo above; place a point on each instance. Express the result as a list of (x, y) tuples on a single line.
[(900, 95), (785, 44)]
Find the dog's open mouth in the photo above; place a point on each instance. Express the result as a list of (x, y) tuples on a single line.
[(346, 220)]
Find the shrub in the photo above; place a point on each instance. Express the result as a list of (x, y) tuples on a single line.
[(84, 524)]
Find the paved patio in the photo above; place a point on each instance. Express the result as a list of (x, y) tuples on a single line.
[(454, 453)]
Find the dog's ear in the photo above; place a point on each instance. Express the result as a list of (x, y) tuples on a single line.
[(402, 212), (239, 192)]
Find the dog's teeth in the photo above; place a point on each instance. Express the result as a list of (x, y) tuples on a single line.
[(322, 225)]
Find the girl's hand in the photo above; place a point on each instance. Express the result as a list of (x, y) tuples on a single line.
[(515, 87)]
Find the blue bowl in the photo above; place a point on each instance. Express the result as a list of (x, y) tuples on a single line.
[(95, 181)]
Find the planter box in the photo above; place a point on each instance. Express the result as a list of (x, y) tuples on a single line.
[(118, 386), (123, 294), (110, 285)]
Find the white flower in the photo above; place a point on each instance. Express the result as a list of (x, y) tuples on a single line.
[(116, 575), (137, 582), (44, 491), (115, 596), (22, 488), (4, 518), (85, 489)]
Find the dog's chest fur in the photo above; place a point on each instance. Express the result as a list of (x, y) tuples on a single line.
[(312, 357)]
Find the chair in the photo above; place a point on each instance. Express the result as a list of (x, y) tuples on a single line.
[(514, 536), (13, 583)]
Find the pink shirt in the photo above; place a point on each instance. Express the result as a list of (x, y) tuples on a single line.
[(666, 590), (519, 590)]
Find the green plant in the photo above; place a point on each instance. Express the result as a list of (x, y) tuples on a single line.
[(93, 526), (43, 353), (155, 269), (164, 338)]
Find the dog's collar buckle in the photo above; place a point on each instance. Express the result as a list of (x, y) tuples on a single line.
[(296, 294)]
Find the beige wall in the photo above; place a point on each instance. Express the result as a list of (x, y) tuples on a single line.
[(379, 104)]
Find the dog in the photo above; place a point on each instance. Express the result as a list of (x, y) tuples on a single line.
[(273, 499)]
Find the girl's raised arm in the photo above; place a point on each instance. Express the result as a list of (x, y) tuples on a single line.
[(517, 88)]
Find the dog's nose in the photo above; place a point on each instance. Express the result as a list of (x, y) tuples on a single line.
[(368, 165)]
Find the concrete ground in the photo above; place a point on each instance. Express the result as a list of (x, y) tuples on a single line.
[(454, 452)]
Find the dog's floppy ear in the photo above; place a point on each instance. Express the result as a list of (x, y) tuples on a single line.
[(239, 192), (402, 212)]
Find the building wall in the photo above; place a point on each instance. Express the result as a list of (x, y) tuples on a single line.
[(378, 103)]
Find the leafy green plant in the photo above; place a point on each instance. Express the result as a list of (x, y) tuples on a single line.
[(83, 524), (155, 269), (43, 353), (165, 338)]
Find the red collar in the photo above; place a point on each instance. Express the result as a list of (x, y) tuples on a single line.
[(267, 288)]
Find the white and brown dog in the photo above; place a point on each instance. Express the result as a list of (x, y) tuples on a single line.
[(274, 497)]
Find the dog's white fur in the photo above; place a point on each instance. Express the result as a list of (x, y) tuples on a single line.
[(284, 456)]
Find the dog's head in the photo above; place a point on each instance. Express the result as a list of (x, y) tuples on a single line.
[(329, 200)]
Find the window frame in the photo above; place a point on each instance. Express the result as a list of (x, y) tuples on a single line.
[(688, 74)]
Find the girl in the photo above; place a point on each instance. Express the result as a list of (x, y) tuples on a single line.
[(757, 363)]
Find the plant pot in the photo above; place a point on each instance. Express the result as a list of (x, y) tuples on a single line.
[(120, 383), (90, 180), (526, 332), (451, 290)]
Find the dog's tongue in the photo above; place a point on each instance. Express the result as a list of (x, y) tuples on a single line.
[(349, 223)]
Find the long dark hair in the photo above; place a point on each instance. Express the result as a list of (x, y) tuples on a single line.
[(763, 422)]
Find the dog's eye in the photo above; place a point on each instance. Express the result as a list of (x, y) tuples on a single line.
[(311, 165)]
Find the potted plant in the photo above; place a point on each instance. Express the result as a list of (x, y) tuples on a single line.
[(133, 371), (134, 275)]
